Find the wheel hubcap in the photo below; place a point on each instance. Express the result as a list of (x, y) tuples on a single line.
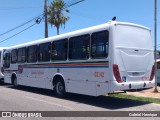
[(59, 88), (15, 82)]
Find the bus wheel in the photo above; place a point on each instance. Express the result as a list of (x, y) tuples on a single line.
[(14, 81), (59, 88)]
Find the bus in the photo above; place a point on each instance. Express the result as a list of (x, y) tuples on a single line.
[(93, 61), (1, 64)]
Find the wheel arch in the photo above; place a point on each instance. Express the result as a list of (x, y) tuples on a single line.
[(13, 76), (56, 77)]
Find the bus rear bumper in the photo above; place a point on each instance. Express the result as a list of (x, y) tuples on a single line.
[(131, 85)]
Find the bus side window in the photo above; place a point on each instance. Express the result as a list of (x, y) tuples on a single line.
[(21, 55), (59, 50), (32, 54), (14, 56), (79, 47), (99, 45), (44, 52), (6, 60)]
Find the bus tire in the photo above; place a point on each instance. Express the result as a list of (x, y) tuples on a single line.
[(14, 81), (59, 89)]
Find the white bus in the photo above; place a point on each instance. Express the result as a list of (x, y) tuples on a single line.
[(92, 61), (1, 64)]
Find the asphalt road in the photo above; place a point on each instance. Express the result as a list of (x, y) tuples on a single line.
[(34, 99)]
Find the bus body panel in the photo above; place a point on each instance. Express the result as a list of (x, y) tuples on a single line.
[(130, 86), (86, 81), (94, 76), (133, 54)]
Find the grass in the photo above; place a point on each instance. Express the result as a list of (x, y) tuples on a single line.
[(144, 99)]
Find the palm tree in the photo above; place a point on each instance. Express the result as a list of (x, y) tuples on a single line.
[(56, 14)]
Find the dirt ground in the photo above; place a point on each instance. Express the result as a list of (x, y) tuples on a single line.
[(146, 93)]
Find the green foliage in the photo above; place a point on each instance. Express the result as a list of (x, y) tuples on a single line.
[(144, 99), (56, 14)]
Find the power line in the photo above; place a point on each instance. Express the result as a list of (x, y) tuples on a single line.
[(72, 2), (37, 21), (20, 25), (17, 33), (17, 8)]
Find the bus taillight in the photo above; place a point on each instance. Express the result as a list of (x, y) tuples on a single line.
[(117, 73), (152, 73)]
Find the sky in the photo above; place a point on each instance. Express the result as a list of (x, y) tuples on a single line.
[(85, 14)]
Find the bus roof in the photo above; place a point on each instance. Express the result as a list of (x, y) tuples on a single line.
[(76, 33), (130, 24), (1, 48)]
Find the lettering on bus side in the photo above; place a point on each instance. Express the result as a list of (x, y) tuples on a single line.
[(99, 74), (37, 73)]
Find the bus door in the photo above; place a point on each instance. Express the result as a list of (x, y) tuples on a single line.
[(6, 66)]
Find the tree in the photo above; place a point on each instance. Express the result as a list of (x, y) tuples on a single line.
[(56, 14)]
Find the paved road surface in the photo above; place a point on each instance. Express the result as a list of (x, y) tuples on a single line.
[(33, 99)]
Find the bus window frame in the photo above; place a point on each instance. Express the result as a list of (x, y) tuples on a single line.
[(34, 54), (106, 46), (49, 51), (54, 52), (14, 62), (25, 56), (6, 60), (86, 51)]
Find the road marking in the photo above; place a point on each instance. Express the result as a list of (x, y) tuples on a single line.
[(49, 103)]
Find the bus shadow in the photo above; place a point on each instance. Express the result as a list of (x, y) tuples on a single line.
[(105, 102), (4, 84)]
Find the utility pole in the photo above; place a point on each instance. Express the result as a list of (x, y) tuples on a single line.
[(46, 20), (155, 43)]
